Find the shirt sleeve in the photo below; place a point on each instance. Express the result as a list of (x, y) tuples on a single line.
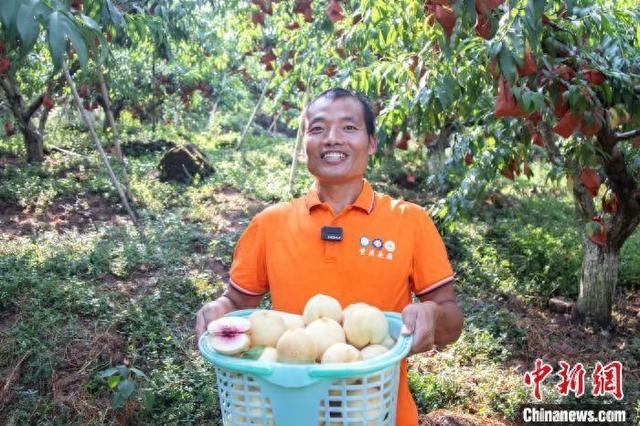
[(430, 265), (249, 267)]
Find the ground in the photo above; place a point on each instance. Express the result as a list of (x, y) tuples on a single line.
[(82, 290)]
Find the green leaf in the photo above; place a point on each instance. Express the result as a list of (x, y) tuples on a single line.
[(106, 373), (116, 16), (507, 64), (138, 373), (8, 12), (27, 23), (61, 29), (126, 388), (113, 381)]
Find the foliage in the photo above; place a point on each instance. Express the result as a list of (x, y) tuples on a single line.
[(121, 380)]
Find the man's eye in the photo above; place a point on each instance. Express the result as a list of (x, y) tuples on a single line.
[(350, 128), (315, 129)]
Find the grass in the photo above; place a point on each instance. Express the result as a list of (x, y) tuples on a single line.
[(80, 296)]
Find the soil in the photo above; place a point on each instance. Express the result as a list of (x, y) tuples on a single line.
[(81, 212)]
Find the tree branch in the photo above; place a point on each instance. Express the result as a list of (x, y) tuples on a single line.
[(52, 86), (627, 135)]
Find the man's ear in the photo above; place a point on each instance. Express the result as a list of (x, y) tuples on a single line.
[(373, 145)]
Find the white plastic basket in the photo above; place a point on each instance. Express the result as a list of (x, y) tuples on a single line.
[(362, 393)]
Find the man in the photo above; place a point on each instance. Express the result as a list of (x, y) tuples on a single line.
[(347, 241)]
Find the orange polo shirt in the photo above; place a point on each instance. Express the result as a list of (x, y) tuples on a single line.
[(390, 249)]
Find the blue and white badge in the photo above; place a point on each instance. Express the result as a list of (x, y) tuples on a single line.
[(364, 241), (390, 246), (377, 243)]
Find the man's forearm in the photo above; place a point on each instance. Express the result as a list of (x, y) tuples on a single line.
[(448, 322)]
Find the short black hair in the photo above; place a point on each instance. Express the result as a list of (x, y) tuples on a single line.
[(338, 92)]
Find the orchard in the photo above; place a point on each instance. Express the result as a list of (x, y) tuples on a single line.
[(514, 123)]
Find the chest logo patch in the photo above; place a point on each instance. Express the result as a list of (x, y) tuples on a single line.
[(377, 248)]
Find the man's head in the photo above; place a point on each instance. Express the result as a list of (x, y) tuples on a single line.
[(339, 128)]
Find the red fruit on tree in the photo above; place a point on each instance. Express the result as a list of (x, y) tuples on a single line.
[(592, 128), (591, 181), (293, 25), (446, 18), (301, 5), (331, 70), (258, 18), (334, 11), (564, 72), (8, 128), (308, 15), (538, 140), (483, 6), (5, 64), (403, 143), (483, 26), (47, 102), (429, 138), (84, 89), (596, 231), (76, 4), (506, 104), (508, 173), (2, 47), (594, 76), (535, 118), (528, 64), (266, 7), (568, 124), (468, 159)]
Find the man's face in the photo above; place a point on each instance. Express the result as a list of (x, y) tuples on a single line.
[(336, 140)]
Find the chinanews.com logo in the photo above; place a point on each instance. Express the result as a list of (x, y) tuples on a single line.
[(605, 381)]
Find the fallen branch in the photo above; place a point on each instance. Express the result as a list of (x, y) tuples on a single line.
[(11, 379), (65, 151), (627, 135)]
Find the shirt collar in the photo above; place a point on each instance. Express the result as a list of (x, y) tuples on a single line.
[(365, 200)]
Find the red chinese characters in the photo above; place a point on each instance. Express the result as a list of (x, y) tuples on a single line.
[(607, 379), (537, 376), (571, 379)]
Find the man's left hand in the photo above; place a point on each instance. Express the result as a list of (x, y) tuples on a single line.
[(420, 319)]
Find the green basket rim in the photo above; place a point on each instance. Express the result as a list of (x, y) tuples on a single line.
[(342, 370)]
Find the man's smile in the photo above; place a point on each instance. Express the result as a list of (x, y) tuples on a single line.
[(333, 157)]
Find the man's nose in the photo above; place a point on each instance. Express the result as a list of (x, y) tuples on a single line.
[(334, 136)]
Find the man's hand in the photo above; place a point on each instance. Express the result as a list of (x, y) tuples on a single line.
[(419, 319), (436, 321), (231, 300), (211, 312)]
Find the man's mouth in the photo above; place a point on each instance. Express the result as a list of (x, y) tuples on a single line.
[(333, 156)]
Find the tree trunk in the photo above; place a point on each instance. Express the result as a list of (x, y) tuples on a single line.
[(33, 143), (598, 280)]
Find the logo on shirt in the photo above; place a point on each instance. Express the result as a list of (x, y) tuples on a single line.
[(377, 248)]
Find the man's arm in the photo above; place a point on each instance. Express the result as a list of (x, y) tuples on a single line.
[(436, 320), (231, 300)]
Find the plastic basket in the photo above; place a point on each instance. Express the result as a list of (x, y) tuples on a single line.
[(363, 393)]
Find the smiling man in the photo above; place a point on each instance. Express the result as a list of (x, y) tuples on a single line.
[(345, 240)]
